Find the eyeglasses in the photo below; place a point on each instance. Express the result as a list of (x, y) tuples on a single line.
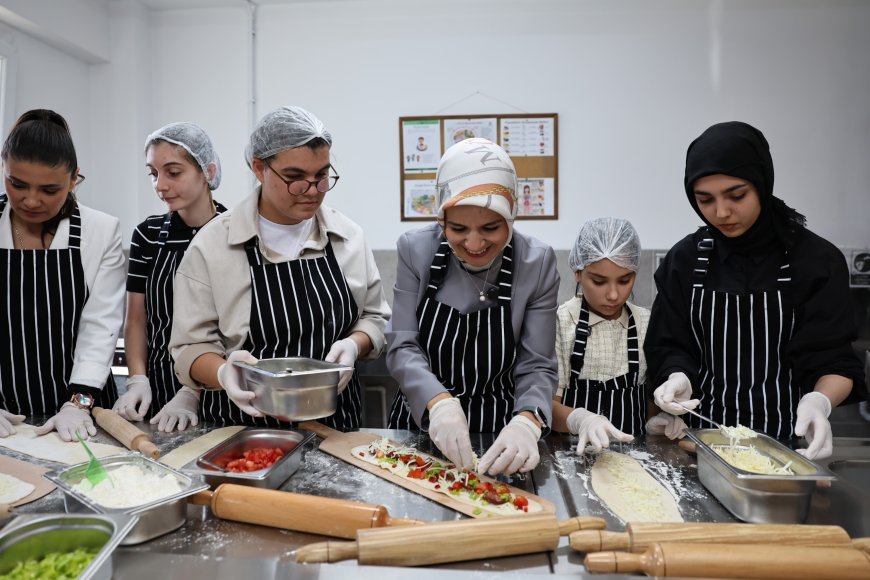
[(300, 186)]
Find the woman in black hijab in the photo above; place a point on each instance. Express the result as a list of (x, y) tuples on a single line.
[(752, 323)]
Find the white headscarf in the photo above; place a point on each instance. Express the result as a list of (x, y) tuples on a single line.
[(477, 172)]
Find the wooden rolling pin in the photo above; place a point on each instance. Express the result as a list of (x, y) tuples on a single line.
[(638, 536), (453, 541), (750, 562), (295, 511), (128, 434)]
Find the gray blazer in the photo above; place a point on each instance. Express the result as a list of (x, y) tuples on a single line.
[(533, 316)]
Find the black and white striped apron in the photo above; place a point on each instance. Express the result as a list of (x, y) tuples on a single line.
[(298, 308), (744, 378), (473, 355), (39, 321), (159, 292), (620, 399)]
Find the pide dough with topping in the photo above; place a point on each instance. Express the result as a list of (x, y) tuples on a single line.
[(492, 497), (630, 492)]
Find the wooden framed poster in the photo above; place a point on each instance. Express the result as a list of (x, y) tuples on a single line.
[(531, 141)]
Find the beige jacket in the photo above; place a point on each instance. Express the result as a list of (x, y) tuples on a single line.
[(212, 303)]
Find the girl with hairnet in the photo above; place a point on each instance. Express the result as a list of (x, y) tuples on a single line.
[(474, 312), (280, 275), (602, 371), (63, 298), (184, 169), (752, 323)]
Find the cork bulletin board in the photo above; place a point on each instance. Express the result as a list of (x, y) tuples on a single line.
[(531, 140)]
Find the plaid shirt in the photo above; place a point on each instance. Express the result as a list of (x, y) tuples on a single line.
[(606, 355)]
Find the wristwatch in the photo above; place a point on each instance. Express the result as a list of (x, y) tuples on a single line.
[(83, 401), (537, 414)]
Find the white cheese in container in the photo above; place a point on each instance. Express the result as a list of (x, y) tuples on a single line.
[(129, 486)]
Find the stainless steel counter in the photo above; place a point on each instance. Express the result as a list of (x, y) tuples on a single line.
[(207, 546)]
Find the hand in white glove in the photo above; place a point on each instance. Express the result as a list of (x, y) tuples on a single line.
[(230, 378), (515, 449), (448, 429), (677, 388), (181, 409), (812, 422), (69, 421), (7, 420), (594, 429), (666, 424), (343, 352), (138, 393)]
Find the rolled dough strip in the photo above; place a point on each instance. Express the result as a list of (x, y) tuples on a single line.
[(12, 489), (184, 454), (631, 493), (52, 448)]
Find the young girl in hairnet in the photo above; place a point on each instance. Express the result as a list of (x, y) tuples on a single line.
[(602, 370), (184, 169)]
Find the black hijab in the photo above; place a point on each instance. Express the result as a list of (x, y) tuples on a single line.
[(740, 150)]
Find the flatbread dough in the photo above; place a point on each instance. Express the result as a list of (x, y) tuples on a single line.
[(12, 489), (506, 509), (52, 448), (631, 493), (184, 454)]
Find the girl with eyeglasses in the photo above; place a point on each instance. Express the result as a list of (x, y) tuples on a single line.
[(280, 275), (184, 169), (64, 296)]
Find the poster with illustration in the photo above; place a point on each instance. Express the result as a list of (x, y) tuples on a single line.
[(535, 197), (528, 137), (859, 269), (420, 199), (456, 130), (421, 146)]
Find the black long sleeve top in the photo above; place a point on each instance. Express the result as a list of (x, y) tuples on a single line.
[(819, 293)]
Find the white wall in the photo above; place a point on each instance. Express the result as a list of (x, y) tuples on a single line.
[(633, 82)]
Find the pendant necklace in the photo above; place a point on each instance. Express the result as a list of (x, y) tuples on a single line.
[(486, 282)]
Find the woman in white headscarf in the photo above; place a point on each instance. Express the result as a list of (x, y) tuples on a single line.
[(470, 342), (279, 275)]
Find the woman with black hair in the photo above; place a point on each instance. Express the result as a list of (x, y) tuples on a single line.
[(64, 271), (752, 324)]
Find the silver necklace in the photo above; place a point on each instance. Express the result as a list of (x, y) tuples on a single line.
[(486, 282)]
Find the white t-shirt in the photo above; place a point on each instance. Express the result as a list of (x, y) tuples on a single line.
[(285, 239)]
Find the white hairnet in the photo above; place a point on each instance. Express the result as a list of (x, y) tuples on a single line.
[(284, 128), (195, 141), (611, 238)]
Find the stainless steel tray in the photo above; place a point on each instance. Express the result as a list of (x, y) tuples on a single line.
[(754, 497), (290, 442), (35, 536), (155, 518), (294, 388)]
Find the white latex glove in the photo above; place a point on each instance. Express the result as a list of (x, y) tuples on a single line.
[(515, 449), (343, 352), (230, 378), (812, 422), (181, 409), (448, 429), (676, 388), (69, 421), (594, 429), (7, 420), (666, 424), (138, 394)]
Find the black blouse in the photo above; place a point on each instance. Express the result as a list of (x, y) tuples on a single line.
[(819, 293)]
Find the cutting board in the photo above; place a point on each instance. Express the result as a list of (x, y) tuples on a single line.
[(30, 473), (340, 444)]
